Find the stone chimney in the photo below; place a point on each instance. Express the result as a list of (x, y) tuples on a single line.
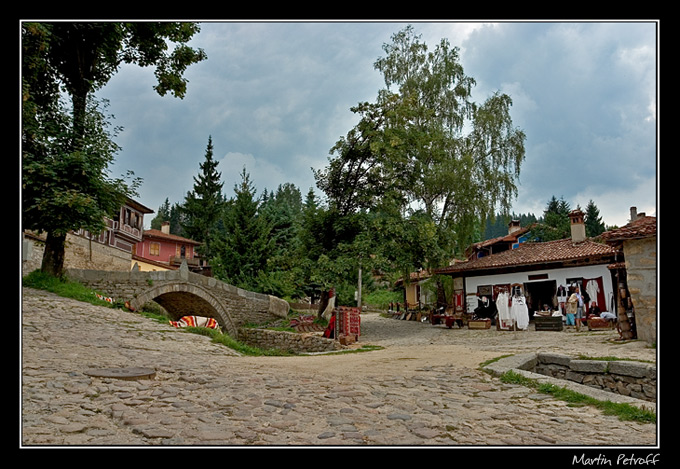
[(513, 226), (578, 227), (165, 227), (635, 215)]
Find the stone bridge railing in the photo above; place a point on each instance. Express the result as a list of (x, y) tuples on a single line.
[(182, 293)]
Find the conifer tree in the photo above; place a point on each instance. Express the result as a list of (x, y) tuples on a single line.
[(593, 221), (203, 205), (242, 252), (162, 215)]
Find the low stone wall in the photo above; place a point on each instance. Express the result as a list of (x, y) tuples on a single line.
[(181, 293), (287, 341), (634, 379)]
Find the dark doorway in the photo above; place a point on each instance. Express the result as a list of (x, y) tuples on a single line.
[(541, 295)]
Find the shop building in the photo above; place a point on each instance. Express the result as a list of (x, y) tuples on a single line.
[(543, 273)]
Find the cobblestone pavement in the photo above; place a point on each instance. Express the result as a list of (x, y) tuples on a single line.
[(424, 388)]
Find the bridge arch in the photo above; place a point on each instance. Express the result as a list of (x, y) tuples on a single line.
[(180, 298)]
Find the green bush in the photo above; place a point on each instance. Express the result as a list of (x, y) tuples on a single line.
[(382, 298)]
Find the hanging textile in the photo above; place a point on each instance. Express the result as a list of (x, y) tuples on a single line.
[(500, 288), (595, 291), (562, 296), (331, 305), (505, 318), (520, 312), (459, 301), (195, 321)]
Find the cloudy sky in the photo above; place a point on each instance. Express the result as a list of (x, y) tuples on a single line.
[(276, 96)]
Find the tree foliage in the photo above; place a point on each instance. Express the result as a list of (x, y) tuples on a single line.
[(67, 155), (593, 220), (442, 160), (203, 206), (242, 251), (555, 223)]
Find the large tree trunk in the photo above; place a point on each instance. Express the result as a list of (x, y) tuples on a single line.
[(53, 257), (441, 295)]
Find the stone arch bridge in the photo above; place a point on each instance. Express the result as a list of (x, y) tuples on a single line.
[(184, 293)]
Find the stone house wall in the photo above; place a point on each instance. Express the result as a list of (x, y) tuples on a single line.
[(640, 257)]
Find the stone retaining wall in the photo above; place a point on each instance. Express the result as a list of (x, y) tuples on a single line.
[(634, 379), (287, 341)]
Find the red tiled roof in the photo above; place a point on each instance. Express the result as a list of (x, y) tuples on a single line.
[(536, 253), (509, 238), (643, 227), (170, 237), (415, 277)]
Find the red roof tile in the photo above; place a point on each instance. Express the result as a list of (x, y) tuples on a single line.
[(170, 237), (536, 253), (643, 227)]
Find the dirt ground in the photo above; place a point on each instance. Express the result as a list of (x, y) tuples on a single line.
[(411, 345)]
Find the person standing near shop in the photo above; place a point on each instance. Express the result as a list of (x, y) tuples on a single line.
[(572, 307), (575, 308)]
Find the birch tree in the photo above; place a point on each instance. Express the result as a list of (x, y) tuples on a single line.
[(427, 147)]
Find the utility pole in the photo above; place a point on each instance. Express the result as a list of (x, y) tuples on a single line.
[(359, 287)]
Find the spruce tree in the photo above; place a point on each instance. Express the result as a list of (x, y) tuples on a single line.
[(203, 205), (162, 215), (242, 252), (593, 221)]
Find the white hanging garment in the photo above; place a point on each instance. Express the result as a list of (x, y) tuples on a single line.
[(504, 316), (592, 288), (520, 312)]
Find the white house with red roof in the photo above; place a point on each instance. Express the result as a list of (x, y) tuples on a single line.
[(543, 271)]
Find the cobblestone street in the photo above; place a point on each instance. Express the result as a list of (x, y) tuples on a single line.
[(424, 388)]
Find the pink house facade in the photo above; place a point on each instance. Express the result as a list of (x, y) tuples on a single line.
[(167, 251)]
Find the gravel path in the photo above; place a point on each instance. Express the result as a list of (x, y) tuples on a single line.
[(423, 388)]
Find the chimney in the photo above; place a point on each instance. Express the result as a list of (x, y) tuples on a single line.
[(578, 228), (633, 213), (513, 226), (165, 227)]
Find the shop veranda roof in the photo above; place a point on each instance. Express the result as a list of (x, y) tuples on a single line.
[(539, 255)]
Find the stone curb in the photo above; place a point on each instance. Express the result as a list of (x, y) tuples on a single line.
[(522, 363)]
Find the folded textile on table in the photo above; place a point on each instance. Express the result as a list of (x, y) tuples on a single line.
[(195, 321)]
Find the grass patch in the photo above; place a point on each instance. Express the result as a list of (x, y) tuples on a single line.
[(218, 337), (623, 411), (492, 360), (65, 288), (612, 359)]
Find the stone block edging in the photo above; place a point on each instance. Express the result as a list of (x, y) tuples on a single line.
[(524, 364)]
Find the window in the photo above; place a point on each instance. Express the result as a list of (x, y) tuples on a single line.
[(154, 249)]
